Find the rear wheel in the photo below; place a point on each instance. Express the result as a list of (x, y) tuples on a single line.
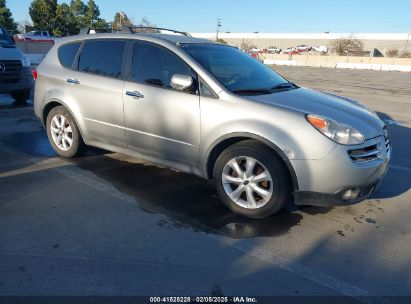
[(21, 96), (63, 133), (251, 179)]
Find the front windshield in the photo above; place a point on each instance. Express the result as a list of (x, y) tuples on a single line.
[(236, 70), (4, 37)]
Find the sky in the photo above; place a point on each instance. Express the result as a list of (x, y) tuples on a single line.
[(349, 16)]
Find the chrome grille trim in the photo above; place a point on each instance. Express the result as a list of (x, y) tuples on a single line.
[(13, 68), (365, 154), (387, 142)]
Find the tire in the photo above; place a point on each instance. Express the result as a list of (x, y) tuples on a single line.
[(260, 159), (21, 96), (70, 143)]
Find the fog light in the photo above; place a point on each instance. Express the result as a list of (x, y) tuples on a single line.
[(351, 194)]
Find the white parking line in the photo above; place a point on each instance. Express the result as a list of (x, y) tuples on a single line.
[(400, 168), (279, 259)]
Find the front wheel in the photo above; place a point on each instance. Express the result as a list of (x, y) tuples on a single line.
[(251, 180), (63, 133)]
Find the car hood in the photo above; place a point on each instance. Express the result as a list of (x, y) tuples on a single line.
[(10, 53), (340, 109)]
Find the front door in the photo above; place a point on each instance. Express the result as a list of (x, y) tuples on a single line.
[(160, 120)]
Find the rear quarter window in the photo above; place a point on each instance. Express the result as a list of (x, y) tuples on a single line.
[(102, 57), (67, 53)]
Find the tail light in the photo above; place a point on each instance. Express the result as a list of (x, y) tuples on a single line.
[(35, 74)]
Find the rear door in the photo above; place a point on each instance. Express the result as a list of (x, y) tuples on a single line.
[(96, 86)]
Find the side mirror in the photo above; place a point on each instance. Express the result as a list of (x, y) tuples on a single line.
[(181, 82)]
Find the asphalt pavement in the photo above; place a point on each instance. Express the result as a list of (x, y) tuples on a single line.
[(108, 224)]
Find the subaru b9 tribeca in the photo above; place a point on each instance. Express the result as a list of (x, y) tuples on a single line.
[(211, 110)]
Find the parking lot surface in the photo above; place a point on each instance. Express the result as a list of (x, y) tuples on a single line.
[(107, 224)]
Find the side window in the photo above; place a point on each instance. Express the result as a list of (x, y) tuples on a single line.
[(102, 57), (67, 53), (156, 65)]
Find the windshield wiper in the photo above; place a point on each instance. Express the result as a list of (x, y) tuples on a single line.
[(252, 91), (285, 85)]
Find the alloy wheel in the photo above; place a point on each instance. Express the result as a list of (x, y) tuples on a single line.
[(247, 182), (61, 132)]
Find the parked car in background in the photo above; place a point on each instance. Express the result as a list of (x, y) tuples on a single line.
[(255, 50), (15, 71), (39, 36), (303, 48), (211, 110), (321, 49), (290, 51), (273, 50)]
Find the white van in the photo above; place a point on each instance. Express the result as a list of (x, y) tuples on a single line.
[(15, 71)]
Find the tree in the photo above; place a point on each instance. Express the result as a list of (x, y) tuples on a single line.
[(92, 13), (219, 40), (101, 24), (65, 23), (392, 53), (120, 19), (79, 9), (347, 46), (43, 14), (246, 45), (6, 18)]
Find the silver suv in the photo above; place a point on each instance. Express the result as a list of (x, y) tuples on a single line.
[(214, 111)]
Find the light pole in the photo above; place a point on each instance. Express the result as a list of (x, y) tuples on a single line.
[(406, 44), (218, 27)]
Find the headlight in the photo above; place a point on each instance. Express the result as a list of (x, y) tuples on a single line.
[(25, 62), (337, 132)]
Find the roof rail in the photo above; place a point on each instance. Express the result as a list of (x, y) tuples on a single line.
[(131, 30), (151, 29)]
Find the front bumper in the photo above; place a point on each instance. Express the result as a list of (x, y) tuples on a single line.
[(337, 199), (21, 82), (325, 182)]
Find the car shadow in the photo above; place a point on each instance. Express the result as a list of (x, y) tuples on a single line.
[(397, 181), (187, 201)]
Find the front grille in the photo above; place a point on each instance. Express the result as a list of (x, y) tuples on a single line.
[(387, 142), (365, 191), (369, 153), (11, 68)]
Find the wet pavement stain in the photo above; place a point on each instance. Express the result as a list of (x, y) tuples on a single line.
[(371, 221), (31, 143), (187, 201)]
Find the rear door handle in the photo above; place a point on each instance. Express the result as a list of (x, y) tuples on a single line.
[(134, 94), (73, 81)]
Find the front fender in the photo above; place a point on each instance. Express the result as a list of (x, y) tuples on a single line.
[(273, 146)]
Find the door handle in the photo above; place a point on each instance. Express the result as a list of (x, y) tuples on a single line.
[(134, 94), (73, 81)]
